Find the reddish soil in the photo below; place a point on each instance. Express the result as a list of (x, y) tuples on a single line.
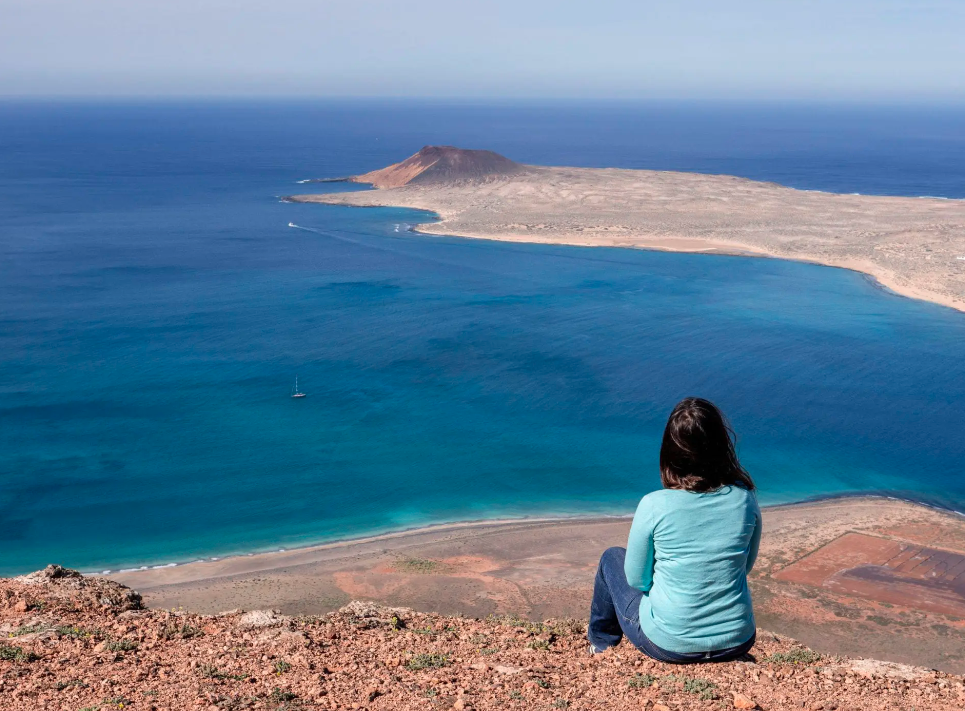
[(887, 571)]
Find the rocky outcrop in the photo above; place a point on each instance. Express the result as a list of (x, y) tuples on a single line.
[(261, 618), (72, 642), (55, 585)]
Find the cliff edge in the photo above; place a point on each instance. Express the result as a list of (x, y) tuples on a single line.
[(72, 642)]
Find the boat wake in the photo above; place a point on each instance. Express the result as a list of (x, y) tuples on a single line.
[(378, 244), (323, 233)]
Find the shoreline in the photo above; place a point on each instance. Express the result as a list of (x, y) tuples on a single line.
[(829, 574), (718, 248), (430, 528), (264, 561), (881, 280)]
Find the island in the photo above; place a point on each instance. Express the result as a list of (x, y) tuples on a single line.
[(914, 246)]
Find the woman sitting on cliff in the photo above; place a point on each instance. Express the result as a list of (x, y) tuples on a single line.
[(678, 591)]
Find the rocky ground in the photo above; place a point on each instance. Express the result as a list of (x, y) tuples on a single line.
[(71, 642)]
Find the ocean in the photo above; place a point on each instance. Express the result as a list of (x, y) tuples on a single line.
[(155, 309)]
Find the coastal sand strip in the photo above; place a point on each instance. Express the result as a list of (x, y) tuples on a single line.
[(545, 568)]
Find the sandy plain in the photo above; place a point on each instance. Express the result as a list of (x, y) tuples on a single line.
[(810, 582), (909, 245)]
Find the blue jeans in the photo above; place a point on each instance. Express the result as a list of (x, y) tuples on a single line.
[(615, 613)]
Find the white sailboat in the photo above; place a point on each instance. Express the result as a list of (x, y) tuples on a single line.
[(295, 392)]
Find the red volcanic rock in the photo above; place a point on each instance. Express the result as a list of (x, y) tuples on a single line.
[(435, 165), (742, 702)]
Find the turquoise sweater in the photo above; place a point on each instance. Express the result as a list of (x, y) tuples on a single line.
[(690, 554)]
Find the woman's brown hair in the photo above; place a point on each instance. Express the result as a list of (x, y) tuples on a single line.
[(698, 451)]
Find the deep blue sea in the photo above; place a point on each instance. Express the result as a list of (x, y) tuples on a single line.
[(155, 309)]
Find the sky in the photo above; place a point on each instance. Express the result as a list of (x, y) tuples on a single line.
[(853, 50)]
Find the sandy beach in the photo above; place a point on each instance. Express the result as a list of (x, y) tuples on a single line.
[(909, 245), (810, 582)]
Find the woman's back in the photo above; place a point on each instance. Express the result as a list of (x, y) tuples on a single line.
[(679, 588), (690, 552)]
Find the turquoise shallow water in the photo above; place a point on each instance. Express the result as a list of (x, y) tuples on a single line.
[(155, 308)]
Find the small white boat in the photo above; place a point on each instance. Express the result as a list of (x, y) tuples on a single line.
[(962, 258), (295, 392), (292, 224)]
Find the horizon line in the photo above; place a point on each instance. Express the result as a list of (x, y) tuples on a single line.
[(956, 102)]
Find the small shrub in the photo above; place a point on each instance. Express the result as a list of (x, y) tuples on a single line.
[(542, 683), (488, 650), (281, 696), (700, 687), (281, 666), (209, 671), (428, 661), (566, 626), (184, 631), (514, 620), (72, 632), (641, 681), (795, 656), (516, 694), (430, 693), (187, 632), (27, 629), (540, 644), (61, 685), (118, 702), (16, 654), (561, 704), (121, 645)]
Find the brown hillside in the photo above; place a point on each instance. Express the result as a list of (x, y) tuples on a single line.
[(437, 165), (71, 642)]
